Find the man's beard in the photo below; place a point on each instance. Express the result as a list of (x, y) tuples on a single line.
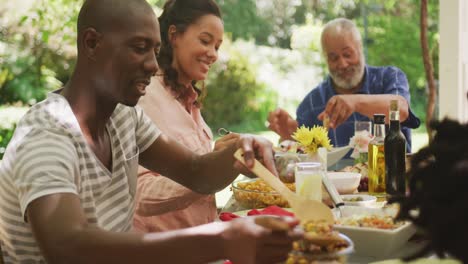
[(358, 74)]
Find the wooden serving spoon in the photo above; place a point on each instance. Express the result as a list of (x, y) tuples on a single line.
[(304, 209)]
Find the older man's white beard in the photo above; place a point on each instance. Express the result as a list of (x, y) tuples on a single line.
[(355, 79)]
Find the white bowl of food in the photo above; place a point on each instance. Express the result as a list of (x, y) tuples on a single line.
[(345, 182), (373, 230), (358, 199)]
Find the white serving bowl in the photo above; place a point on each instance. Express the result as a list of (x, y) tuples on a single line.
[(345, 182), (358, 199), (375, 242)]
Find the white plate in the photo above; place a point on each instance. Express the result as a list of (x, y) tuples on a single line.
[(325, 257), (365, 200)]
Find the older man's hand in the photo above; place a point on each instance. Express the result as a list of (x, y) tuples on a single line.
[(339, 108)]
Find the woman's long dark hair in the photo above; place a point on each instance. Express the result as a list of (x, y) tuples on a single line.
[(181, 14), (438, 200)]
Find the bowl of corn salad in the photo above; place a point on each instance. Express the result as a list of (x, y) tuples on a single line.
[(374, 231), (256, 193)]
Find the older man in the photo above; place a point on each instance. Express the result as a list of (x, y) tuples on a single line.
[(67, 181), (353, 91)]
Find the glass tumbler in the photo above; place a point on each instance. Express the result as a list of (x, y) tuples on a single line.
[(309, 180), (363, 125)]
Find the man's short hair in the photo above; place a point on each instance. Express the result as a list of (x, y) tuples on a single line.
[(104, 15), (341, 26)]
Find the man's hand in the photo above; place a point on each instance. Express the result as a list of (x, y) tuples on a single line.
[(339, 108), (255, 147), (226, 141), (282, 123), (250, 241)]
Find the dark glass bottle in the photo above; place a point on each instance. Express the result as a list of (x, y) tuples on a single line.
[(395, 151)]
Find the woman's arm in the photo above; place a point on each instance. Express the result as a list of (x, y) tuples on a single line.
[(210, 172), (159, 195)]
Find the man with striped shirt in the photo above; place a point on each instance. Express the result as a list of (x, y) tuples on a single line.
[(67, 181)]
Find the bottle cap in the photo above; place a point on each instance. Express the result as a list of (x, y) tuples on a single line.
[(379, 119)]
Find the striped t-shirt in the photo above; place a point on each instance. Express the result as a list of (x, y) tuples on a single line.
[(48, 154)]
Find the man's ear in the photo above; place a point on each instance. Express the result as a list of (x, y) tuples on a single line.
[(90, 42), (172, 34)]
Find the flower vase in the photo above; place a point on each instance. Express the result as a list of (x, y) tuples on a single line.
[(320, 156)]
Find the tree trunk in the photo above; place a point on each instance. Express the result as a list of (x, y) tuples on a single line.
[(428, 69)]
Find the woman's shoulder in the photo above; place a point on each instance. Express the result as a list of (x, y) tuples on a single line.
[(157, 83), (155, 93)]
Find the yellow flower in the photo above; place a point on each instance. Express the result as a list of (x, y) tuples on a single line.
[(312, 138)]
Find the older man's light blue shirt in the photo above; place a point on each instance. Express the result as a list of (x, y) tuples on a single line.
[(377, 80)]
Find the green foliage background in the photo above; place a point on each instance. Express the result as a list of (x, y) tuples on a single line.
[(394, 39), (390, 29), (236, 99), (37, 50)]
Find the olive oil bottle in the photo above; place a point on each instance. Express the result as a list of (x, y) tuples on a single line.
[(395, 151), (377, 158)]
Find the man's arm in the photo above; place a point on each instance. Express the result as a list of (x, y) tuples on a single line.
[(380, 103), (64, 236), (395, 87), (340, 107), (210, 172)]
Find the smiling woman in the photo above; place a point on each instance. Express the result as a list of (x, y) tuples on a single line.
[(191, 33)]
